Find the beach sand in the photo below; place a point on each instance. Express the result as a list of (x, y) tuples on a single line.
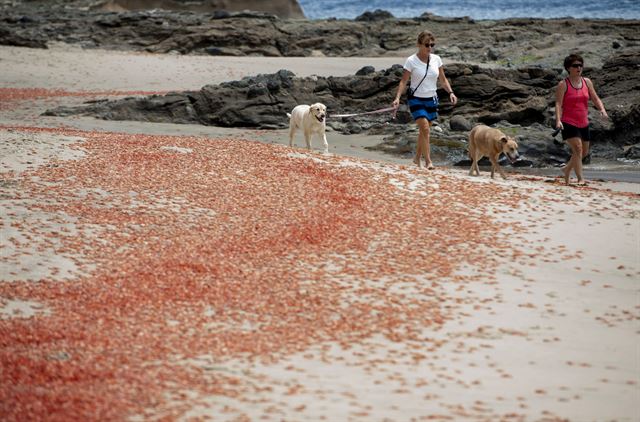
[(155, 270)]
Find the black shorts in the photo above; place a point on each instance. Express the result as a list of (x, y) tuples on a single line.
[(571, 131)]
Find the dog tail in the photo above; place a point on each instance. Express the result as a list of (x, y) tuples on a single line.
[(289, 115)]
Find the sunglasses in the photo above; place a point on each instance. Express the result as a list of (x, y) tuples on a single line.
[(577, 65), (430, 45)]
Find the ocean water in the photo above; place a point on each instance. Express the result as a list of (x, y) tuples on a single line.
[(476, 9)]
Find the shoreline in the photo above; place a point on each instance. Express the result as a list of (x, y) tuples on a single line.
[(443, 18)]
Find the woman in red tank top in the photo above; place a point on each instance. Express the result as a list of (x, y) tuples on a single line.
[(572, 113)]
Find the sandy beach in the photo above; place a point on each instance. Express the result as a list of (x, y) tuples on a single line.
[(181, 272)]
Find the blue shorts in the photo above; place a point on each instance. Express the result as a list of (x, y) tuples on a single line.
[(424, 107)]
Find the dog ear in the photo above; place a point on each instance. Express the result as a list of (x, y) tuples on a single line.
[(504, 139)]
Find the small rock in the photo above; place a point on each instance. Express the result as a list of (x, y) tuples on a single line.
[(492, 54), (376, 15), (633, 152), (366, 70), (460, 123), (522, 163)]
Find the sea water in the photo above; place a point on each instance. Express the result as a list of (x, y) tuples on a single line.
[(476, 9)]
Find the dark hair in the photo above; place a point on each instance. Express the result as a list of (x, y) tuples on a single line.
[(570, 59)]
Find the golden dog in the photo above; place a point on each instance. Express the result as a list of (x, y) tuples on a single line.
[(487, 142)]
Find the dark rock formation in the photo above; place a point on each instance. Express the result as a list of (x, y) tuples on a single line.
[(486, 95), (280, 8), (511, 42), (258, 102), (460, 123), (12, 38), (618, 85), (376, 15)]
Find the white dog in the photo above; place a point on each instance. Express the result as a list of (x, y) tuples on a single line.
[(311, 119)]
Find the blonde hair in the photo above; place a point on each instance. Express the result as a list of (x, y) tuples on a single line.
[(425, 36)]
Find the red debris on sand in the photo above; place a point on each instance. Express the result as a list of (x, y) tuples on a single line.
[(9, 95), (226, 248)]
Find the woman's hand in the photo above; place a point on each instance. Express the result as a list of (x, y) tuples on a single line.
[(559, 126), (604, 114), (396, 103), (453, 98)]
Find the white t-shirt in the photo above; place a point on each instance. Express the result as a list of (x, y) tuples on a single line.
[(417, 67)]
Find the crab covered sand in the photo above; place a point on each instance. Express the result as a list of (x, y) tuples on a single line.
[(179, 272)]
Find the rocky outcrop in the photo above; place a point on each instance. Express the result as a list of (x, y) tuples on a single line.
[(508, 43), (487, 96), (280, 8), (618, 85), (8, 37), (257, 102)]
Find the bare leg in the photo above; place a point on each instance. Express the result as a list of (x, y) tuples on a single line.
[(585, 148), (575, 163), (417, 160), (566, 171), (423, 141)]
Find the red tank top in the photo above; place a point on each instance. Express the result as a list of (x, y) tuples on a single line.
[(575, 106)]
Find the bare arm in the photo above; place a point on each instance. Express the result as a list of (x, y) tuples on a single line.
[(560, 90), (595, 99), (447, 86), (401, 87)]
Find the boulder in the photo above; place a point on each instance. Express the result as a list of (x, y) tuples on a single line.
[(618, 86), (280, 8), (632, 153), (276, 29), (460, 123), (376, 15), (12, 38)]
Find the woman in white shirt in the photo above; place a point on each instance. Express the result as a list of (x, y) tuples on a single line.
[(424, 68)]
